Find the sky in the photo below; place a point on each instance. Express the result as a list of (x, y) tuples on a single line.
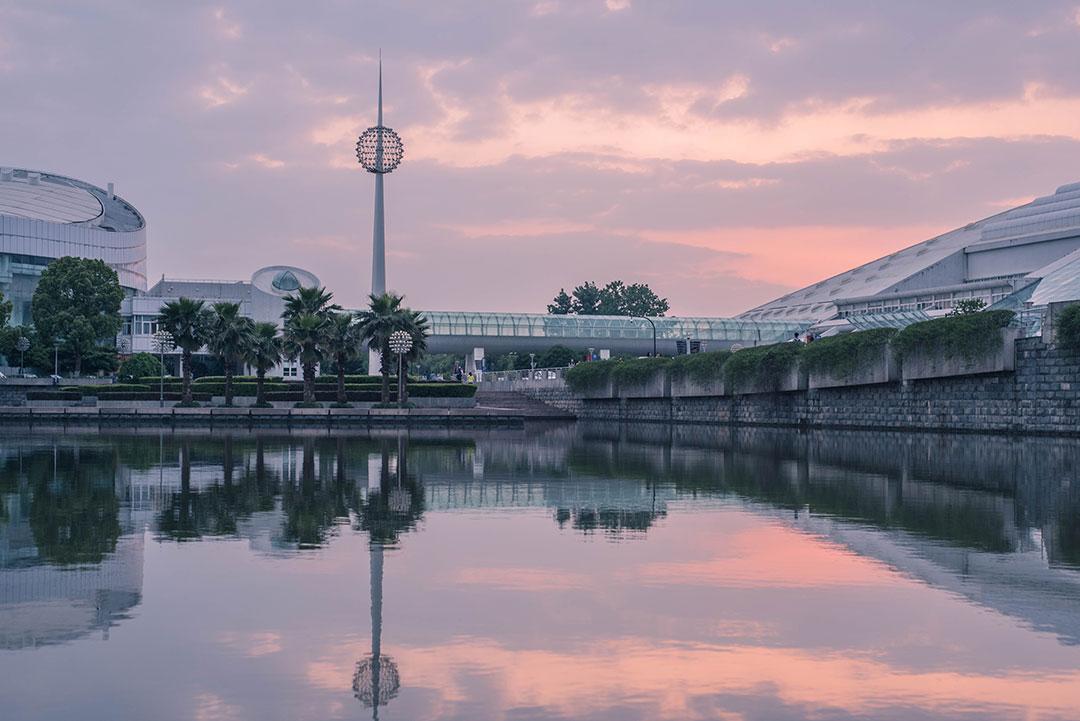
[(724, 152)]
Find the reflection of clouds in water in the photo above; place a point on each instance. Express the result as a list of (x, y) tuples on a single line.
[(253, 644), (675, 680), (211, 707), (521, 579), (769, 557)]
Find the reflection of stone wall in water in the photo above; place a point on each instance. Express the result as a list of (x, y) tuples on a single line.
[(988, 518)]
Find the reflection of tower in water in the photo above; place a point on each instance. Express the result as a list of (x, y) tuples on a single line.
[(392, 506)]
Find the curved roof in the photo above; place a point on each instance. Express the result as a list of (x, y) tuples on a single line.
[(1047, 217), (35, 195)]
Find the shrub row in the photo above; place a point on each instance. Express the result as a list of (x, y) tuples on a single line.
[(965, 336), (118, 396), (841, 356)]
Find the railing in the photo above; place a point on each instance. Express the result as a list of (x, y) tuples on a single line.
[(527, 374)]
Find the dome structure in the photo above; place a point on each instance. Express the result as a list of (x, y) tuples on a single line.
[(44, 216)]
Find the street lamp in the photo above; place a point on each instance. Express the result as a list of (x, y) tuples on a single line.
[(401, 343), (642, 317), (22, 345), (532, 361), (57, 342), (163, 341)]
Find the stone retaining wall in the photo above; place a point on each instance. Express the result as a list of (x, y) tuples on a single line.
[(1042, 395)]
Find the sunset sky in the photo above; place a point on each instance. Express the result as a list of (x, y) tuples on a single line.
[(723, 152)]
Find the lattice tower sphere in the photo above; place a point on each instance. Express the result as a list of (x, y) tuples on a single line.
[(400, 341), (380, 149), (364, 680)]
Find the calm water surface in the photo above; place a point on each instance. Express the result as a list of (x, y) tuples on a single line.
[(584, 572)]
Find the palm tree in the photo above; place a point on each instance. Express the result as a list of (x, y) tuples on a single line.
[(303, 339), (186, 320), (309, 300), (264, 353), (416, 325), (306, 315), (231, 337), (342, 342), (383, 316)]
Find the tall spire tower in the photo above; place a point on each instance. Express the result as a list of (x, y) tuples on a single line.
[(380, 151)]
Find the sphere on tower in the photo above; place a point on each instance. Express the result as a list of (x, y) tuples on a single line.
[(380, 149)]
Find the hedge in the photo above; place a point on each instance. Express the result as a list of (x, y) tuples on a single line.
[(638, 370), (1068, 328), (51, 396), (966, 336), (700, 367), (841, 356), (590, 375), (763, 365)]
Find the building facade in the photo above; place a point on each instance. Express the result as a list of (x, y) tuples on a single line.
[(44, 216), (1021, 259)]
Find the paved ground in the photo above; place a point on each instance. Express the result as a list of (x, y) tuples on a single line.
[(518, 403)]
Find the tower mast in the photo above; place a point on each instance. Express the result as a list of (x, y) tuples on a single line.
[(378, 236)]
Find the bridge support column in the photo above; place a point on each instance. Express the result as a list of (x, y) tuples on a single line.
[(474, 360)]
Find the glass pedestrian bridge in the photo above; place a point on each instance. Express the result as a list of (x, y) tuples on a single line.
[(454, 331)]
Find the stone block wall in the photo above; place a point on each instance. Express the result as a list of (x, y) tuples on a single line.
[(1042, 395)]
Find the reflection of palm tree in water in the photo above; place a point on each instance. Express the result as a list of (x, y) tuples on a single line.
[(389, 510)]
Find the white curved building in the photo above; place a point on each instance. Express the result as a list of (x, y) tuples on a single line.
[(1023, 258), (45, 216)]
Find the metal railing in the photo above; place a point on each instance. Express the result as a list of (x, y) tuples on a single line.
[(527, 374)]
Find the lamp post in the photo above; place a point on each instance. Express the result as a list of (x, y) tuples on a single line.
[(532, 361), (401, 343), (642, 317), (22, 345), (163, 341), (57, 342)]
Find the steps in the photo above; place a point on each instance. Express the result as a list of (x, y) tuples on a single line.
[(518, 403)]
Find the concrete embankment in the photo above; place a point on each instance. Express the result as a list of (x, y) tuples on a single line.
[(1023, 386), (271, 417)]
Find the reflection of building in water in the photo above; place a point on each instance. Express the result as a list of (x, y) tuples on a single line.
[(979, 517), (585, 503), (42, 603)]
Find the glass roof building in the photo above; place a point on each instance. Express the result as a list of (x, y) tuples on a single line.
[(1023, 258), (45, 216)]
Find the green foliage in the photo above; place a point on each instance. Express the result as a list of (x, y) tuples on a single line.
[(965, 336), (700, 367), (842, 355), (967, 306), (1068, 328), (762, 366), (589, 376), (638, 370), (138, 366), (188, 322), (77, 300), (615, 298)]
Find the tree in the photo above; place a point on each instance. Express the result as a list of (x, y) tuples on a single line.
[(968, 306), (264, 353), (230, 339), (639, 300), (557, 356), (307, 313), (78, 299), (615, 298), (416, 325), (302, 339), (140, 365), (382, 317), (343, 343), (188, 322), (586, 299), (562, 304)]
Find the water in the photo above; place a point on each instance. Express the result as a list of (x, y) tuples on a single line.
[(563, 572)]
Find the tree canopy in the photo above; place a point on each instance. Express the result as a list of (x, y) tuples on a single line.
[(614, 298), (78, 300)]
